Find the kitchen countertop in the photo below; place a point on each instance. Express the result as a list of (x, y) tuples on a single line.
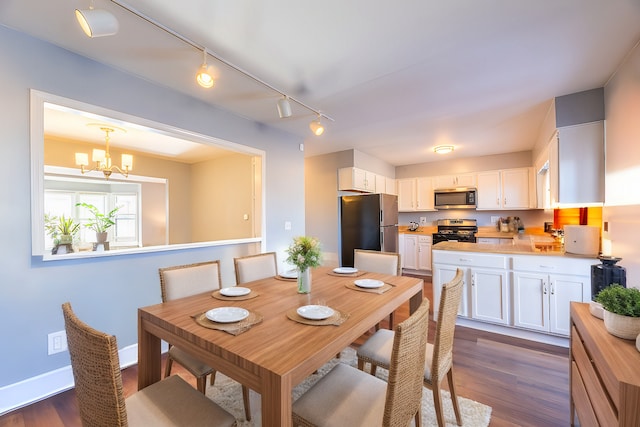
[(426, 230), (514, 249)]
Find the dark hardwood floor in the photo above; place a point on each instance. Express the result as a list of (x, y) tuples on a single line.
[(526, 383)]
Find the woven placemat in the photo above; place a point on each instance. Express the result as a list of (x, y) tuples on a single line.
[(287, 279), (235, 328), (381, 290), (336, 319), (218, 295), (356, 274)]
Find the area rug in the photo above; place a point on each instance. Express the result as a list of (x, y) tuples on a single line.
[(228, 394)]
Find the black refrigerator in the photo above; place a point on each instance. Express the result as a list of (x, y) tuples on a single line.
[(368, 221)]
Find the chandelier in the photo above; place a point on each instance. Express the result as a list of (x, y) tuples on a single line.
[(102, 158)]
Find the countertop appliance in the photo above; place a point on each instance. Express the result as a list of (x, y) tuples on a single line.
[(582, 240), (368, 221), (455, 198), (458, 230), (607, 273)]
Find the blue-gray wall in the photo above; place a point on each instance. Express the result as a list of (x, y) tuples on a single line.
[(105, 292)]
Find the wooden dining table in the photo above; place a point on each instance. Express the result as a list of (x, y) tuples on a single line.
[(276, 354)]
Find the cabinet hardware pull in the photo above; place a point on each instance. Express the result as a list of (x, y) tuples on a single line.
[(465, 260), (544, 288), (551, 267)]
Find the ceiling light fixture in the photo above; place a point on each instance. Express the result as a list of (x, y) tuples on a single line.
[(103, 157), (234, 67), (443, 149), (97, 22), (284, 107), (203, 77), (316, 126)]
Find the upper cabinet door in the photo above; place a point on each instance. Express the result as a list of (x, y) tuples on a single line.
[(516, 188), (489, 192), (424, 194), (406, 195), (452, 181)]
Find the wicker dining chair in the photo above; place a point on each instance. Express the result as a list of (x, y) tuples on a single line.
[(439, 360), (349, 397), (182, 281), (100, 395), (378, 262), (255, 267)]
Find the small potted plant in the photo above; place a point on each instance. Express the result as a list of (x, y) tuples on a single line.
[(62, 230), (621, 310), (100, 222)]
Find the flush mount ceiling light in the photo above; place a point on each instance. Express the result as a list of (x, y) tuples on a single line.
[(203, 77), (316, 126), (97, 22), (443, 149), (284, 107)]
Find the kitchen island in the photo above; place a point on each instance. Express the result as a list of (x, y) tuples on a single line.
[(515, 289)]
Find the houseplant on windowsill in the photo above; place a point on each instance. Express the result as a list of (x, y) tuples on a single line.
[(62, 230), (304, 253), (621, 310), (100, 222)]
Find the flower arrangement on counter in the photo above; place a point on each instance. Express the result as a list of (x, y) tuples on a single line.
[(304, 252)]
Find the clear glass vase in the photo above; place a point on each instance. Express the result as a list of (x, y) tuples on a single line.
[(304, 281)]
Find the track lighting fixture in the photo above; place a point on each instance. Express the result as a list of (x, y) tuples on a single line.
[(316, 126), (203, 77), (443, 149), (97, 22), (284, 107)]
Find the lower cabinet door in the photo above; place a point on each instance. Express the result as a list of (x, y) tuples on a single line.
[(490, 296), (531, 301), (444, 273), (563, 290)]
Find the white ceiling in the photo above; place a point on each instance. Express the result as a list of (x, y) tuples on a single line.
[(397, 77)]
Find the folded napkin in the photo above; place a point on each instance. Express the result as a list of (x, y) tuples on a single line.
[(234, 328), (336, 319)]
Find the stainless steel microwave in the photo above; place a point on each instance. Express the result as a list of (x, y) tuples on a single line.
[(455, 198)]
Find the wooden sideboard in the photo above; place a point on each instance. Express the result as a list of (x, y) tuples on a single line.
[(604, 373)]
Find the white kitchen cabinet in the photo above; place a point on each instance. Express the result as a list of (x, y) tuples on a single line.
[(390, 186), (505, 189), (355, 179), (543, 287), (424, 194), (452, 181), (489, 295), (380, 184), (409, 254), (424, 252), (576, 165), (406, 195), (444, 273), (541, 301)]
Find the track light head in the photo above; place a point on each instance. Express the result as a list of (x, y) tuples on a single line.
[(97, 22), (316, 126), (203, 76), (284, 107)]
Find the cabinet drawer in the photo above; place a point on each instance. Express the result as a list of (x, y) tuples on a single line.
[(554, 264), (598, 396), (424, 239), (470, 259), (581, 399)]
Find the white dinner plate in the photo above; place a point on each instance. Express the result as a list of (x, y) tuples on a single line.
[(234, 291), (345, 270), (290, 274), (315, 312), (369, 283), (227, 314)]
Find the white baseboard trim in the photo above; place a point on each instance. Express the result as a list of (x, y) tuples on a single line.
[(31, 390), (515, 332)]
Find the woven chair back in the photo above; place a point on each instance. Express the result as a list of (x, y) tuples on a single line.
[(406, 371), (96, 372)]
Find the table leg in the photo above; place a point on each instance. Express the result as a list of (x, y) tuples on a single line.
[(276, 400), (149, 357)]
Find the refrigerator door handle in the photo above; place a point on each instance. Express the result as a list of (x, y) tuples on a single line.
[(381, 239)]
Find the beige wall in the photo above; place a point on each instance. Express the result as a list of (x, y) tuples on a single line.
[(222, 193), (622, 197)]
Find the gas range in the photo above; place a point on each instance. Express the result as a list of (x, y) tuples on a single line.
[(459, 230)]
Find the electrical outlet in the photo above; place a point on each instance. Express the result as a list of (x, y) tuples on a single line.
[(287, 225), (57, 342), (494, 219), (423, 220)]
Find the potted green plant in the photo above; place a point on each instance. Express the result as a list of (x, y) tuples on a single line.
[(100, 222), (621, 310), (61, 229)]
